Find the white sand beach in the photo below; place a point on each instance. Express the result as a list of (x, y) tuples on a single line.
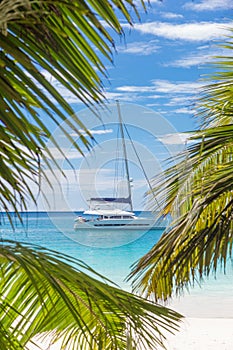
[(195, 334), (208, 324), (202, 334)]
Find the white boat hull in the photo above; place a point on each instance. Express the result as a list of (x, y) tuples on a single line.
[(126, 224)]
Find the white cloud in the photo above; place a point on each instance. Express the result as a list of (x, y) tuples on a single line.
[(154, 97), (180, 100), (164, 86), (199, 31), (209, 5), (113, 96), (175, 93), (183, 111), (170, 94), (101, 132), (155, 2), (175, 139), (94, 132), (69, 153), (171, 15), (190, 61), (139, 3), (131, 88), (139, 48), (203, 56), (183, 87)]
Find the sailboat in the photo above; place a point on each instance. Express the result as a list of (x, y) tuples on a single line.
[(104, 212)]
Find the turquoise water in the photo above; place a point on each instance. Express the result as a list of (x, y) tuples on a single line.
[(113, 262), (108, 254)]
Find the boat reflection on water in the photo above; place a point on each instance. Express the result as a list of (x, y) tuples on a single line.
[(109, 238)]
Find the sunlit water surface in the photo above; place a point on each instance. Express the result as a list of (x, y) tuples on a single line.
[(112, 253)]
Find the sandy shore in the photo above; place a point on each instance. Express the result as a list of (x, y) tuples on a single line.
[(203, 334), (195, 334), (208, 324)]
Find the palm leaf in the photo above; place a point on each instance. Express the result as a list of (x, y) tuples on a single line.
[(68, 41), (198, 192), (48, 294)]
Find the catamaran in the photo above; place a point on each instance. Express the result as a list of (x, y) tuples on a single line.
[(104, 212), (112, 218)]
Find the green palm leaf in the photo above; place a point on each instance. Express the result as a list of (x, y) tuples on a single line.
[(198, 193), (42, 294), (67, 41)]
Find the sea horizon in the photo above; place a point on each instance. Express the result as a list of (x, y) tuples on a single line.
[(99, 251)]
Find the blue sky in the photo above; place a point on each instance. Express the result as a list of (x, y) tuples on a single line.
[(159, 64), (165, 56)]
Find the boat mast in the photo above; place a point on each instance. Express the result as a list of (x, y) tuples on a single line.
[(125, 155)]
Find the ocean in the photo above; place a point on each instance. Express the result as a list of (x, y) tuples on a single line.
[(112, 253)]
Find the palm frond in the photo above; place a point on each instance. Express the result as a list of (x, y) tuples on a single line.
[(46, 43), (48, 294), (215, 105), (198, 193)]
